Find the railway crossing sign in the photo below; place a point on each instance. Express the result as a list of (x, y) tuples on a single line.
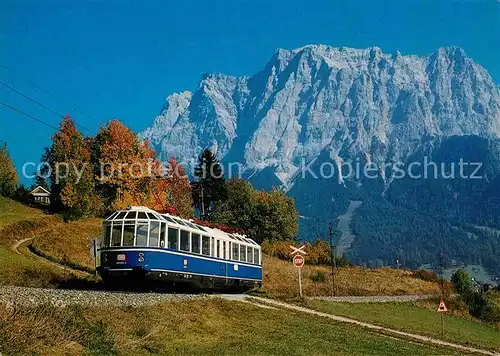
[(442, 307), (299, 250), (298, 261)]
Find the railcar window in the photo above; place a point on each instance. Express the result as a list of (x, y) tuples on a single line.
[(112, 215), (142, 235), (223, 249), (200, 228), (243, 253), (173, 235), (195, 243), (162, 234), (249, 254), (217, 249), (142, 215), (121, 215), (116, 235), (131, 215), (205, 245), (256, 256), (184, 240), (154, 233), (107, 235), (169, 219), (235, 251), (128, 235), (213, 246)]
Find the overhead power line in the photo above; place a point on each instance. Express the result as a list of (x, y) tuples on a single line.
[(28, 115), (41, 105), (48, 92)]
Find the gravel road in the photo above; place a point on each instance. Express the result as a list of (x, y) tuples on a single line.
[(374, 299)]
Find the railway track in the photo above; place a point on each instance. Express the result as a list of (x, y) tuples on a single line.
[(26, 296)]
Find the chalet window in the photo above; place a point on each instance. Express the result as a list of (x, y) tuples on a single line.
[(154, 233), (128, 235), (142, 235), (184, 240), (173, 235), (195, 243)]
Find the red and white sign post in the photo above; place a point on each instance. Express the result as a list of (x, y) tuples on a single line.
[(441, 310), (298, 261)]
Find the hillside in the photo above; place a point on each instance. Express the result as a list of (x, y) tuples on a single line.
[(200, 326), (212, 327)]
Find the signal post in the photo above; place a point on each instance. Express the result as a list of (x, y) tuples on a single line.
[(298, 261)]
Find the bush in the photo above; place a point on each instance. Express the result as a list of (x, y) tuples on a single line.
[(424, 275), (319, 277), (483, 306)]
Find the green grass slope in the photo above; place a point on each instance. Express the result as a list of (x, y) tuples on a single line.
[(412, 318), (205, 327)]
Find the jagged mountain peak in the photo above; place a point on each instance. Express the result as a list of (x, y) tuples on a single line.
[(348, 102)]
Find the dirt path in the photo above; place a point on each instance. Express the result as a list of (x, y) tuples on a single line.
[(379, 329), (16, 246)]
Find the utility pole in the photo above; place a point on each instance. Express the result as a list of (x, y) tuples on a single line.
[(202, 202), (333, 257)]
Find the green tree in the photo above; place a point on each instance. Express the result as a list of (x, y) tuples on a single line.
[(210, 186), (239, 208), (72, 181), (461, 281), (8, 174), (265, 216), (276, 217)]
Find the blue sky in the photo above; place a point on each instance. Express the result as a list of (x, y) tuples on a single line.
[(102, 59)]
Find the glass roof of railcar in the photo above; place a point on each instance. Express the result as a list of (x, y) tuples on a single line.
[(135, 213)]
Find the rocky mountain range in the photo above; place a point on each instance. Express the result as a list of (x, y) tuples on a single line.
[(319, 104)]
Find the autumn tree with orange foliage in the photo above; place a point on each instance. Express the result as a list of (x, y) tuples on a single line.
[(123, 166), (72, 180)]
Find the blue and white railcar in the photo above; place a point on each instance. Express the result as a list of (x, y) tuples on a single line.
[(141, 244)]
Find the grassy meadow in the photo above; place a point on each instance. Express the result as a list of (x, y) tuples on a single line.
[(419, 317), (203, 327), (11, 212), (281, 279)]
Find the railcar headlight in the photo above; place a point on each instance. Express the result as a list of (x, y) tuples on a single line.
[(141, 257)]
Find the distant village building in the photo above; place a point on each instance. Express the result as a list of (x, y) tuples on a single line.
[(40, 195)]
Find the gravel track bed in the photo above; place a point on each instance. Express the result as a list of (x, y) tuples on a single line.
[(12, 295), (375, 299)]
